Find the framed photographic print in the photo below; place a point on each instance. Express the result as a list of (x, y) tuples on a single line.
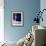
[(17, 18)]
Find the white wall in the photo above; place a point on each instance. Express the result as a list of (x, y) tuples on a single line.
[(1, 20)]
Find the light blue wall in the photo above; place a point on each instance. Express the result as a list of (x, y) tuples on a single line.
[(30, 7), (43, 6)]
